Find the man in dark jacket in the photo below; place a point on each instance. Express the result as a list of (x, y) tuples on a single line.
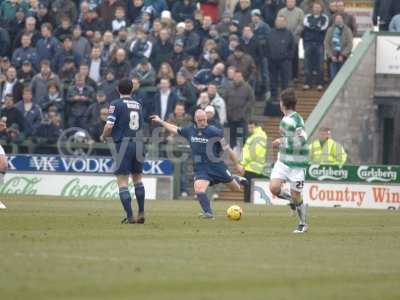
[(192, 39), (385, 10), (162, 49), (93, 111), (120, 65), (164, 100), (238, 97), (48, 45), (183, 9), (48, 133), (10, 85), (79, 98), (25, 52), (280, 47), (243, 13), (315, 26), (66, 51), (32, 112)]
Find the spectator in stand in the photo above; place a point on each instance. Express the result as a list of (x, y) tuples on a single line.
[(271, 9), (181, 119), (48, 45), (218, 103), (157, 6), (107, 46), (315, 26), (134, 11), (338, 44), (192, 40), (307, 5), (224, 24), (14, 120), (326, 151), (183, 9), (243, 63), (26, 73), (145, 72), (394, 25), (96, 129), (189, 67), (92, 24), (332, 10), (212, 117), (96, 65), (243, 13), (93, 111), (61, 8), (185, 92), (164, 100), (41, 81), (5, 41), (348, 19), (64, 30), (9, 84), (166, 71), (384, 10), (80, 44), (280, 48), (30, 30), (119, 20), (65, 52), (295, 20), (48, 133), (209, 56), (53, 100), (67, 74), (251, 45), (9, 8), (121, 40), (204, 30), (25, 52), (239, 98), (31, 112), (203, 101), (107, 9), (162, 49), (79, 98), (109, 85), (119, 65), (230, 74), (84, 71), (139, 48), (205, 76), (254, 159), (177, 56)]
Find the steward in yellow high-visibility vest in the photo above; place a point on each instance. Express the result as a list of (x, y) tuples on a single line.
[(325, 151), (254, 155)]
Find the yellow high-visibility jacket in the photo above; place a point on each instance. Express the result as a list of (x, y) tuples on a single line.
[(255, 152), (331, 153)]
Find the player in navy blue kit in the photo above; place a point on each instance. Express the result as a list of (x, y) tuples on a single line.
[(207, 144), (124, 122)]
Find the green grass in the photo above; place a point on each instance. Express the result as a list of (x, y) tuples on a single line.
[(74, 249)]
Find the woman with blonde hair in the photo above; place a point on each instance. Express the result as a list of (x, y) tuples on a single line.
[(166, 71)]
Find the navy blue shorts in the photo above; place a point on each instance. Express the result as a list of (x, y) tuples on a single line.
[(215, 173), (127, 160)]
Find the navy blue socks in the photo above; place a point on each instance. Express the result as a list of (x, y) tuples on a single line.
[(125, 198), (140, 195), (204, 202)]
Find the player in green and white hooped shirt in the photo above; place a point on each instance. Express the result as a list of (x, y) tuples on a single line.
[(292, 158)]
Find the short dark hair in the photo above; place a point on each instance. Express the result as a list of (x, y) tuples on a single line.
[(180, 103), (253, 122), (289, 99), (125, 86)]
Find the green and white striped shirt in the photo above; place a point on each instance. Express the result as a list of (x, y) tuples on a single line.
[(293, 150)]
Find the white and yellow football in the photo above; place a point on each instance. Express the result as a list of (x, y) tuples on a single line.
[(234, 213)]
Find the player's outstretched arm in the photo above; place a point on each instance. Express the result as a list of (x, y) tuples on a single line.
[(106, 132), (170, 127)]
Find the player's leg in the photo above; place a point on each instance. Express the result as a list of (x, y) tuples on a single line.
[(125, 197), (279, 176), (297, 177), (140, 196), (200, 188)]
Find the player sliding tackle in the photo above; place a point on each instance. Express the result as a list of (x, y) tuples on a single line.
[(292, 158), (3, 169), (207, 144)]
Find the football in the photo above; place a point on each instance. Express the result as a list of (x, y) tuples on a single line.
[(234, 212)]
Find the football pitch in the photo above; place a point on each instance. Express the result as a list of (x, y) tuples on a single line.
[(76, 249)]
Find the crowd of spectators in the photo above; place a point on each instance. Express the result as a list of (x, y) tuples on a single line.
[(61, 59)]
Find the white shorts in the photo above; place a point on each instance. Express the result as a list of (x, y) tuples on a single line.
[(295, 176)]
